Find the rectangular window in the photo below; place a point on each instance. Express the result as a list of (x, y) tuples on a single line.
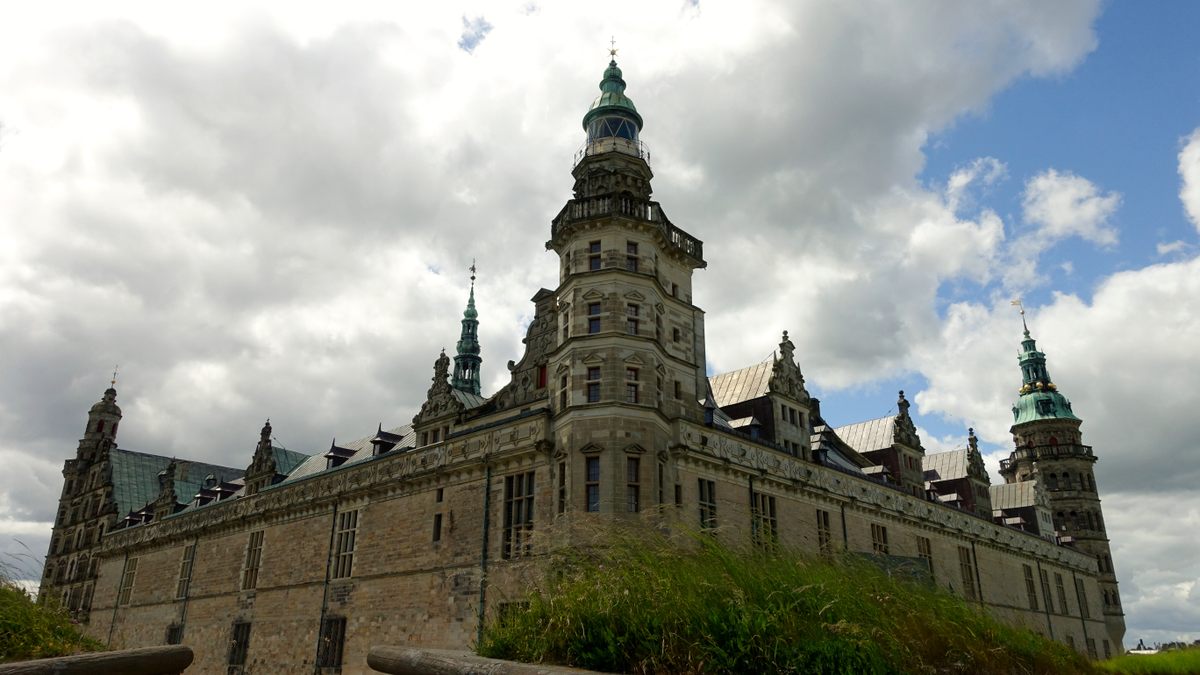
[(631, 319), (562, 393), (175, 634), (439, 495), (661, 486), (1091, 648), (239, 643), (879, 540), (1030, 588), (593, 484), (541, 377), (824, 532), (765, 530), (678, 390), (708, 504), (437, 527), (633, 488), (675, 334), (343, 544), (593, 317), (594, 255), (332, 643), (127, 579), (1084, 610), (631, 256), (631, 385), (518, 514), (678, 495), (185, 571), (562, 487), (925, 551), (593, 385), (967, 566), (1046, 592), (1062, 594), (253, 559), (1107, 650)]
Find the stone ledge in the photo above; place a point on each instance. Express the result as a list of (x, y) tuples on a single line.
[(410, 661), (171, 660)]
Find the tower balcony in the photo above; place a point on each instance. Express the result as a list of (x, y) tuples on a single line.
[(625, 146), (579, 210), (1040, 452)]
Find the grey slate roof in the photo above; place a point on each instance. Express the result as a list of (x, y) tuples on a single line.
[(362, 450), (871, 435), (949, 465), (468, 399), (135, 477), (741, 385), (1014, 495)]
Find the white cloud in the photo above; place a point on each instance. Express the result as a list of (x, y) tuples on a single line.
[(1189, 172), (1167, 248)]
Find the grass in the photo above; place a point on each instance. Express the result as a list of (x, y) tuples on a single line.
[(1180, 661), (641, 603), (32, 631)]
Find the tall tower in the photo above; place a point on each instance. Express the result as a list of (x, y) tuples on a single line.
[(85, 511), (630, 347), (1049, 449), (467, 361)]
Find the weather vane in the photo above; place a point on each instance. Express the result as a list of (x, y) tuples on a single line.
[(1016, 302), (472, 268), (114, 377), (612, 47)]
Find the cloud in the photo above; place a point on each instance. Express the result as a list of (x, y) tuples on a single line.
[(1167, 248), (1189, 172)]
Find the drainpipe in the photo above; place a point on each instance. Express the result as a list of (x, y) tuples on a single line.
[(117, 601), (328, 571), (483, 553), (978, 581), (1082, 598), (1043, 584), (753, 513)]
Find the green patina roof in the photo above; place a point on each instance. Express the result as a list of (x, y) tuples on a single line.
[(135, 477), (1039, 398), (612, 98), (286, 460)]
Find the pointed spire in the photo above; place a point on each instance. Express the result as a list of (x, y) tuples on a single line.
[(467, 360)]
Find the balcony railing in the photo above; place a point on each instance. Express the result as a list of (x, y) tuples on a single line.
[(577, 210), (614, 144), (1046, 451)]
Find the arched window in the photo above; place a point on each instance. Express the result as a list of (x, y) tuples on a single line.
[(1053, 441), (99, 426), (1052, 481)]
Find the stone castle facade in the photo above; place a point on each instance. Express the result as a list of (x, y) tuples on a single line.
[(414, 534)]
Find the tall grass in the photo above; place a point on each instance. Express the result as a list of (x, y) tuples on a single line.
[(641, 603), (1167, 663), (31, 631)]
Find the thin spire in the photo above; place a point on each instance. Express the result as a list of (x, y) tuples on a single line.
[(1016, 302), (113, 382), (612, 47)]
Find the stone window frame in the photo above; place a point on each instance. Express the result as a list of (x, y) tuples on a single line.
[(562, 488), (128, 579), (239, 644), (632, 386), (764, 514), (592, 384), (707, 500), (592, 483), (966, 566), (632, 318), (331, 644), (252, 561), (824, 532), (879, 539), (594, 250), (925, 551), (1030, 588), (633, 484), (1061, 589), (345, 543), (594, 311), (518, 514), (186, 565)]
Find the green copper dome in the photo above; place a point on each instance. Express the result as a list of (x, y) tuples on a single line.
[(1039, 399), (613, 104)]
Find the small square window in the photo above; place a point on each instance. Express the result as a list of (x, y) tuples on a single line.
[(593, 247), (631, 247)]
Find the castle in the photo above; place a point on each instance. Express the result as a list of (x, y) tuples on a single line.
[(413, 534)]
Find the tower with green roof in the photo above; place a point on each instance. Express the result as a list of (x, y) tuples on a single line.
[(467, 360), (1049, 449)]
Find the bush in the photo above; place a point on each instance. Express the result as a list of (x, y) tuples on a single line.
[(641, 603), (31, 631)]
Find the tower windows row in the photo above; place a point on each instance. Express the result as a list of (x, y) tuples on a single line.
[(1068, 481), (595, 260), (1074, 521)]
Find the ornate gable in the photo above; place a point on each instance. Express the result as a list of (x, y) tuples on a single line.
[(905, 431), (440, 401), (786, 378)]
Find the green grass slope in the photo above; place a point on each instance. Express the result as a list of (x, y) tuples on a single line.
[(643, 604), (1184, 661)]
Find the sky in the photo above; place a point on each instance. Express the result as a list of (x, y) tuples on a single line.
[(265, 211)]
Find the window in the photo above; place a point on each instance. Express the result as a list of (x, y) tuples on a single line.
[(633, 488), (1030, 588), (678, 495), (437, 527), (185, 573), (661, 487), (967, 566), (631, 385), (1046, 591), (925, 551), (708, 504), (1084, 610), (594, 255), (675, 334), (678, 390), (175, 634), (562, 487), (239, 644), (824, 532), (518, 514), (593, 317), (631, 256), (562, 393), (541, 377), (1091, 648), (593, 484), (631, 319), (765, 525), (332, 643), (439, 495), (1062, 594), (127, 578), (593, 385), (879, 541), (343, 544), (1107, 650)]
